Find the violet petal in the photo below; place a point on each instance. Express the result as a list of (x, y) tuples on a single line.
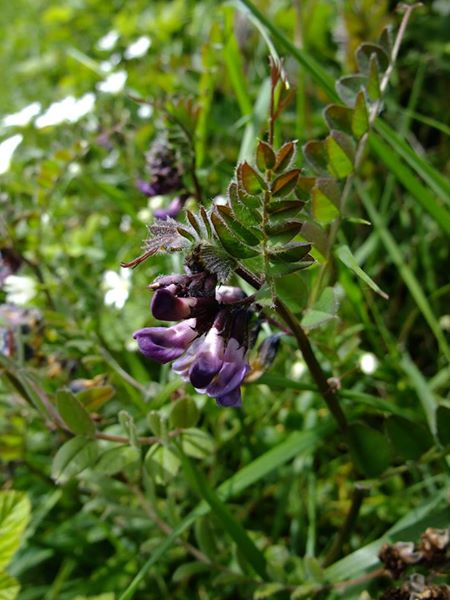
[(231, 400)]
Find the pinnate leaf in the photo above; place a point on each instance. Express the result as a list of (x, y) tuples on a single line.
[(339, 117), (161, 463), (114, 460)]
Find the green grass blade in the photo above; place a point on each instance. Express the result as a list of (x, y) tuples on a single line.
[(317, 72), (407, 178), (245, 544), (405, 272), (422, 390), (428, 121), (433, 178), (233, 63)]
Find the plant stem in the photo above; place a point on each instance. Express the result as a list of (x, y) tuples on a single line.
[(328, 391), (357, 498)]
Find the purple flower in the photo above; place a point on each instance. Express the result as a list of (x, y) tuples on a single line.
[(216, 366), (210, 343), (165, 344)]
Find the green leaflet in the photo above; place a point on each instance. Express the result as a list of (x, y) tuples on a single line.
[(15, 512), (73, 413), (247, 236), (229, 241), (369, 450), (291, 252), (9, 587), (341, 154), (285, 156), (284, 231), (73, 457), (265, 156), (410, 440)]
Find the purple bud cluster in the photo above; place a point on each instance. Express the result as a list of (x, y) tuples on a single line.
[(209, 343), (165, 178)]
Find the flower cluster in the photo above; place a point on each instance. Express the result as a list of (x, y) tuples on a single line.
[(165, 178), (209, 343)]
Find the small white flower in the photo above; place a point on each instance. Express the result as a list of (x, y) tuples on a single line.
[(138, 48), (145, 111), (7, 149), (114, 83), (368, 363), (117, 287), (68, 109), (297, 369), (22, 117), (108, 41), (145, 215), (20, 289)]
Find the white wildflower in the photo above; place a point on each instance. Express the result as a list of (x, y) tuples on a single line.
[(117, 287), (20, 289)]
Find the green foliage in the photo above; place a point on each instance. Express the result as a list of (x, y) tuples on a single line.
[(140, 487), (14, 517)]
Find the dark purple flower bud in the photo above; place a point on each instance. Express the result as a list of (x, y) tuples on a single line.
[(165, 173), (165, 344), (167, 307)]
